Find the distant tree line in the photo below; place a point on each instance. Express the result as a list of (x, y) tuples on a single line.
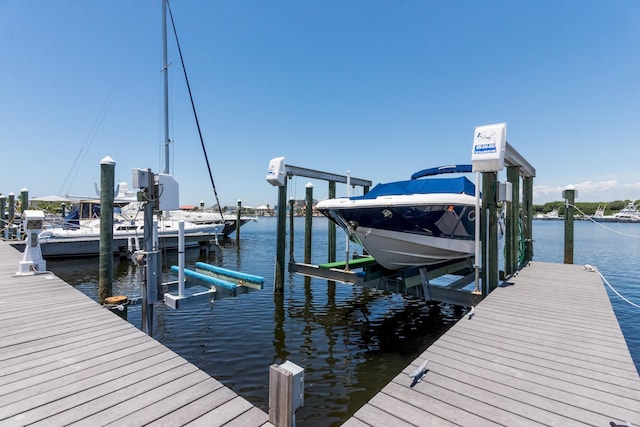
[(588, 208)]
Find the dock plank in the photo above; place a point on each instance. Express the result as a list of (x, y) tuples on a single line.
[(543, 349), (58, 368), (77, 406), (179, 398)]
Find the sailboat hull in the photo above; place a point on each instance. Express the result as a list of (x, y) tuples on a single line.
[(128, 236)]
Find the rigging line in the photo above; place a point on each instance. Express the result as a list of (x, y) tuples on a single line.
[(102, 114), (195, 115), (603, 226), (92, 134)]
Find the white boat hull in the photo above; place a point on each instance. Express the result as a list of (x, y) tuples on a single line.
[(397, 250), (85, 241), (80, 247), (408, 230)]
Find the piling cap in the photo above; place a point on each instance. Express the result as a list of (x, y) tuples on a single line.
[(107, 161)]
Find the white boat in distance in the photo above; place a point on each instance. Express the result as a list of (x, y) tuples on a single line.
[(411, 223), (204, 217), (83, 238), (126, 202), (629, 213)]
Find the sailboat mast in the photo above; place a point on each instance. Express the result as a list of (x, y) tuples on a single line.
[(166, 87)]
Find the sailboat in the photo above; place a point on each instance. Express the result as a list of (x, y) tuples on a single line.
[(83, 237), (227, 221)]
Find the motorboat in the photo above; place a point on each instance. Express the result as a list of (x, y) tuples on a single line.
[(554, 215), (629, 213), (411, 223)]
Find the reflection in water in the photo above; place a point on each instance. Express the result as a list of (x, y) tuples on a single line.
[(351, 341)]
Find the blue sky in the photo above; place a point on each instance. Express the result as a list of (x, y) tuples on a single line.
[(377, 88)]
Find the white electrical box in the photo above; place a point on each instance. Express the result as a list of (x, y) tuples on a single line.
[(489, 144), (505, 191), (298, 383), (141, 178), (168, 192), (277, 173)]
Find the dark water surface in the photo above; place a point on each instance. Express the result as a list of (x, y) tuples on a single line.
[(350, 341)]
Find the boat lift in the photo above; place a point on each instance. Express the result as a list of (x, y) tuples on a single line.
[(490, 154), (364, 271), (160, 192)]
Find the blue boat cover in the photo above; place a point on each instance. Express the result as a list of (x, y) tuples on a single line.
[(458, 185)]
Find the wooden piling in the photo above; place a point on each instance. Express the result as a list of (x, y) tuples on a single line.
[(105, 273), (513, 208), (24, 200), (490, 231), (308, 218), (238, 223), (12, 207), (527, 209), (332, 236), (569, 197), (3, 204), (292, 203), (278, 285)]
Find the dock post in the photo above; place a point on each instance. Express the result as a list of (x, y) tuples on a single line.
[(490, 228), (24, 200), (281, 233), (331, 227), (569, 200), (286, 393), (308, 218), (3, 204), (513, 207), (238, 220), (152, 267), (105, 274), (292, 203), (12, 210), (527, 208)]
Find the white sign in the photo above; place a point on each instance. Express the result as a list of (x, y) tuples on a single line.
[(489, 143)]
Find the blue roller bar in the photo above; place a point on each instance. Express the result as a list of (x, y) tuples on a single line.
[(204, 278), (230, 273)]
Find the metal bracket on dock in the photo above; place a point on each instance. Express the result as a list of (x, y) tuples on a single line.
[(173, 301), (419, 373)]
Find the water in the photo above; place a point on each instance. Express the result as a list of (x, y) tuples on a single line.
[(351, 341)]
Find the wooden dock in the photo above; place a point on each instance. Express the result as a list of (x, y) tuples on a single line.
[(544, 349), (65, 360)]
